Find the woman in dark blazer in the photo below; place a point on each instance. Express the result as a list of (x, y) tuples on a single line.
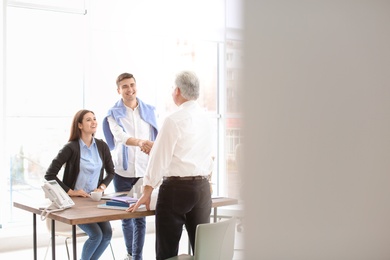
[(86, 159)]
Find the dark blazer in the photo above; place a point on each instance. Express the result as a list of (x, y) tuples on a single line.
[(70, 156)]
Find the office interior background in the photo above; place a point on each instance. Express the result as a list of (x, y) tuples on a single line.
[(60, 56), (315, 90)]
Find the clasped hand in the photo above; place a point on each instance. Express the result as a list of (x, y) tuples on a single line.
[(146, 146)]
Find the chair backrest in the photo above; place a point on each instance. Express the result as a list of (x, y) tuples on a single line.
[(63, 229), (215, 240)]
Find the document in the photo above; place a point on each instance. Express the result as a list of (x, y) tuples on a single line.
[(125, 199), (105, 206)]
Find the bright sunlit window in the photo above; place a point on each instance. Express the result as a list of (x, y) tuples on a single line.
[(60, 62)]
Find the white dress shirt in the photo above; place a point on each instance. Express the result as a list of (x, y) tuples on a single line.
[(134, 127), (183, 147)]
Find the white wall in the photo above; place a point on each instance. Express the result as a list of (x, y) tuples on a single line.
[(2, 80), (135, 36), (317, 95)]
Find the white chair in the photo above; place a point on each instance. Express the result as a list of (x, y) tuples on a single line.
[(237, 211), (65, 230), (213, 241)]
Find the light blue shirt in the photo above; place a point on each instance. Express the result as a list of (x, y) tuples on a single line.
[(90, 165)]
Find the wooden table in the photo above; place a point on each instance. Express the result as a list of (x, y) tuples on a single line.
[(86, 211)]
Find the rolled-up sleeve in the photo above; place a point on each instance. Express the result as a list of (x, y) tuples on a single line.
[(117, 131)]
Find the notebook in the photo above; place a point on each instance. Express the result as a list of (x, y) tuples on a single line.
[(117, 203), (124, 199), (105, 206), (115, 194)]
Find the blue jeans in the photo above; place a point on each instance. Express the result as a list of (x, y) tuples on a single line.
[(99, 238), (133, 228)]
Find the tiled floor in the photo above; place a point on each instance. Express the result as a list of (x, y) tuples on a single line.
[(117, 245)]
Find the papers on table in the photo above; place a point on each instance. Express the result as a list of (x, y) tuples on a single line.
[(105, 206), (124, 199), (115, 194)]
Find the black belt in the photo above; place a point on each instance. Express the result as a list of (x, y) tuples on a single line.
[(186, 178)]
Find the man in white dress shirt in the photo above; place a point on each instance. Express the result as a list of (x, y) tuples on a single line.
[(180, 161), (130, 128)]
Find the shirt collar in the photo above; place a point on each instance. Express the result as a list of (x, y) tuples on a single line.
[(187, 103), (82, 144)]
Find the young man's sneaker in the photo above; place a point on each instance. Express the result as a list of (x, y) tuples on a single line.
[(128, 257)]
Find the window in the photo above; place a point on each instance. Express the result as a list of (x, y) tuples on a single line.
[(60, 62), (45, 77), (234, 136)]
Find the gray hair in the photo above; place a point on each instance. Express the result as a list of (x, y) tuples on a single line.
[(188, 83)]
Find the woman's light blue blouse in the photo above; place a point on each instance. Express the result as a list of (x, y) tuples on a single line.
[(90, 166)]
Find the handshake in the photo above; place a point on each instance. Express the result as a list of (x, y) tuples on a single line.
[(145, 145)]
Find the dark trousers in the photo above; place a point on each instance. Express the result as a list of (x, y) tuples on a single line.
[(180, 202)]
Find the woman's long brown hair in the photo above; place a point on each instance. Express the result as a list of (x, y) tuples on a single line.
[(75, 132)]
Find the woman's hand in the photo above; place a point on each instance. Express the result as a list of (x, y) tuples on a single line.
[(99, 189), (78, 193)]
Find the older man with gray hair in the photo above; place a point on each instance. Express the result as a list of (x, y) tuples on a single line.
[(180, 161)]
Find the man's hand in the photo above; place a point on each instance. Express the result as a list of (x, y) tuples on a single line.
[(146, 146), (144, 199)]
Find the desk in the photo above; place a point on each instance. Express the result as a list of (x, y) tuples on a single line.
[(86, 211)]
